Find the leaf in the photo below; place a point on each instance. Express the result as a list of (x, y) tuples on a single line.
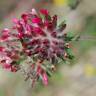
[(62, 26), (69, 53), (49, 73), (69, 36)]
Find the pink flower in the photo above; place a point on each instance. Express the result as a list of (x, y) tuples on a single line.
[(35, 39)]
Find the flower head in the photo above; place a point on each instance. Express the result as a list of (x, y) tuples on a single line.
[(38, 40)]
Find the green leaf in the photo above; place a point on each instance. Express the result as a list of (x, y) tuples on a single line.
[(69, 36), (49, 73), (69, 52), (44, 17)]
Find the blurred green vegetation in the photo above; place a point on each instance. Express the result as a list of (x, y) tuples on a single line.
[(89, 31)]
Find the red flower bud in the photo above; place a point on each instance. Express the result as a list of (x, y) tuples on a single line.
[(44, 12)]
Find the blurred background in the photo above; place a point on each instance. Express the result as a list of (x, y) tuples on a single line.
[(77, 79)]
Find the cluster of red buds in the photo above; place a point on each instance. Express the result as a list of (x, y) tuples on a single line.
[(35, 44)]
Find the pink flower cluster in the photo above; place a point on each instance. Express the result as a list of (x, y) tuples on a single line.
[(34, 35)]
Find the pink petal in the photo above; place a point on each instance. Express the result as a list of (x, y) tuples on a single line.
[(44, 12), (39, 70), (25, 17), (6, 66), (6, 30), (15, 20), (36, 20), (34, 11), (45, 79), (2, 49), (4, 38), (38, 31)]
